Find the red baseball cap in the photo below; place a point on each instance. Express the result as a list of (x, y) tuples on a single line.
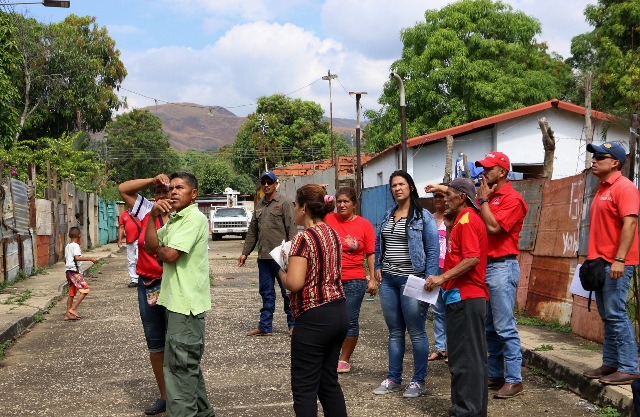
[(495, 158)]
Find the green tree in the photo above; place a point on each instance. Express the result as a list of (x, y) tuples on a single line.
[(296, 132), (469, 60), (136, 147), (9, 97), (73, 66), (215, 172), (611, 52)]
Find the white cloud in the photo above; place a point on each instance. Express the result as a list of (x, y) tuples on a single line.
[(253, 60)]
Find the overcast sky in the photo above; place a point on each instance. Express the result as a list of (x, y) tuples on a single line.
[(230, 52)]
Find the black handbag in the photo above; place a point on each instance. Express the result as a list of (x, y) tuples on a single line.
[(592, 276)]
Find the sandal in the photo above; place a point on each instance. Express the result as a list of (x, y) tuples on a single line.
[(436, 356)]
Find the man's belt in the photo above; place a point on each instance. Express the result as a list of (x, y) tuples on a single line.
[(501, 259)]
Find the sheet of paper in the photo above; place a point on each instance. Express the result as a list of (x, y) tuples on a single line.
[(576, 286), (414, 288), (280, 254)]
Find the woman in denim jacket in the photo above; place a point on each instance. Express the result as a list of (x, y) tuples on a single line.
[(407, 243)]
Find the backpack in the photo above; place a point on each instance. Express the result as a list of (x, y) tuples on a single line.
[(592, 276)]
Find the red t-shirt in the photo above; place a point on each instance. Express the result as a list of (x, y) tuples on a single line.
[(468, 239), (358, 239), (509, 209), (616, 198), (147, 265), (132, 227), (320, 246)]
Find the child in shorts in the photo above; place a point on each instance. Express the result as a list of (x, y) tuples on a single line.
[(77, 284)]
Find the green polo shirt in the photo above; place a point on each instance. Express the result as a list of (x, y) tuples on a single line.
[(185, 283)]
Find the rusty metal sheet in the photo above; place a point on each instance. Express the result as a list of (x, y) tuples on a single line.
[(531, 190), (524, 260), (44, 217), (19, 193), (549, 297), (590, 187), (558, 231), (11, 257), (43, 245), (584, 323)]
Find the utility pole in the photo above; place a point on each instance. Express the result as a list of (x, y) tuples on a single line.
[(403, 120), (358, 162), (587, 117), (330, 77)]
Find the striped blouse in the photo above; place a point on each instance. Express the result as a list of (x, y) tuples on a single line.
[(320, 245), (396, 260)]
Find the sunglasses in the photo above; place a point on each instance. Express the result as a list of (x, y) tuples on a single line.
[(267, 182), (598, 156)]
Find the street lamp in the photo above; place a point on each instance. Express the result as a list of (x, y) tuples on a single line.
[(45, 3), (403, 120), (358, 164)]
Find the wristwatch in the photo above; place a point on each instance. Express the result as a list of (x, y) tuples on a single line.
[(481, 201)]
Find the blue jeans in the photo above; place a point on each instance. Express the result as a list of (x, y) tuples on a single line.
[(267, 276), (404, 313), (354, 290), (440, 324), (619, 349), (154, 320), (503, 340)]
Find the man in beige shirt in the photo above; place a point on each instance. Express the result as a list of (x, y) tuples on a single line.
[(272, 222)]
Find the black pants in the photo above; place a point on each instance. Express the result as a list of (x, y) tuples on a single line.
[(315, 348), (467, 351)]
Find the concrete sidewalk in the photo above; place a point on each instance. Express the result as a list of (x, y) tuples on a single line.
[(562, 357)]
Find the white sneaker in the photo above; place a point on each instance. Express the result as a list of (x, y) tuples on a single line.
[(387, 387), (414, 389)]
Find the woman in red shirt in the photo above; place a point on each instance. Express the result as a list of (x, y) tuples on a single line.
[(358, 240), (318, 306)]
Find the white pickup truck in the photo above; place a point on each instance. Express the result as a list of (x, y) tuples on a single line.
[(229, 221)]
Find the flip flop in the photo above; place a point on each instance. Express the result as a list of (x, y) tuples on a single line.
[(76, 315), (436, 356), (68, 317)]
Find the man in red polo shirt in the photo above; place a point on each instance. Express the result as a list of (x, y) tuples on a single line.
[(465, 295), (502, 209), (613, 236)]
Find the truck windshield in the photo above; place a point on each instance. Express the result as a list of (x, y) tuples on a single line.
[(230, 212)]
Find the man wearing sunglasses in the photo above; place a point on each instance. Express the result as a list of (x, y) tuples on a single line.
[(613, 236), (272, 222)]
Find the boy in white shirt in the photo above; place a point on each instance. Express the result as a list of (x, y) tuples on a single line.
[(77, 284)]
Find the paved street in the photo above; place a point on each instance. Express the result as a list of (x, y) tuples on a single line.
[(98, 366)]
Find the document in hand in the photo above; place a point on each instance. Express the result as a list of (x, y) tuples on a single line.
[(280, 254), (414, 288)]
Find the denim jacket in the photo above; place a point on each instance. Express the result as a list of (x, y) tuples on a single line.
[(424, 246)]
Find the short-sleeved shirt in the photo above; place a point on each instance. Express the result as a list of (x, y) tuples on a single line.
[(616, 198), (442, 240), (468, 239), (358, 233), (185, 283), (147, 265), (320, 246), (132, 227), (271, 223), (508, 208), (70, 252)]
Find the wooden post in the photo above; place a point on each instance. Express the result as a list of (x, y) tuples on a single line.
[(447, 168), (588, 129), (633, 139), (48, 190), (549, 144), (467, 174)]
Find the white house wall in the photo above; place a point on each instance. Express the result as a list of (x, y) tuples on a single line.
[(519, 138)]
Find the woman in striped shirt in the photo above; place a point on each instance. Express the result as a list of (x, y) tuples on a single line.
[(407, 244), (318, 305)]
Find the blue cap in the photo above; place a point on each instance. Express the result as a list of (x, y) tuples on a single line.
[(270, 175), (614, 149)]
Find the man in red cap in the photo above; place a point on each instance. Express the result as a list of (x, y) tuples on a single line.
[(613, 236), (502, 209)]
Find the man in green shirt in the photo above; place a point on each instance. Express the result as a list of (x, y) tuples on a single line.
[(181, 245)]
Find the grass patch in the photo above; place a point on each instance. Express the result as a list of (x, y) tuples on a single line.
[(608, 411), (543, 348), (94, 268), (3, 349), (38, 318), (19, 299), (535, 321)]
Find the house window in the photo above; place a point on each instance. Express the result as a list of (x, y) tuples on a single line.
[(379, 178)]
